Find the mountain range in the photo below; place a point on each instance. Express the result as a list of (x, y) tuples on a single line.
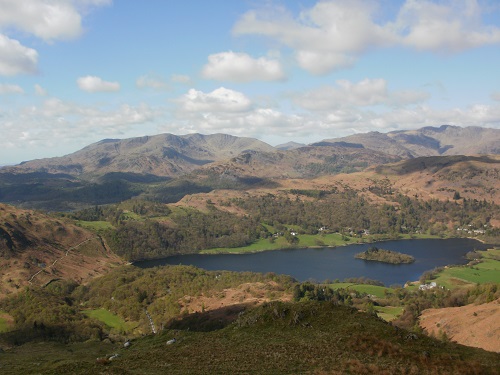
[(430, 141), (166, 167), (170, 155)]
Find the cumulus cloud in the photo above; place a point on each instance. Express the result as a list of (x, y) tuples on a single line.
[(6, 89), (334, 34), (367, 92), (449, 26), (495, 96), (40, 91), (323, 62), (16, 58), (241, 67), (255, 122), (48, 20), (228, 111), (59, 126), (152, 82), (180, 78), (96, 84), (219, 100), (93, 117)]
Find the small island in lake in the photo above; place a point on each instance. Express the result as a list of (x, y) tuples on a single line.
[(386, 256)]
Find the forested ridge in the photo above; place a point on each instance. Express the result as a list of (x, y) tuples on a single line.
[(144, 229)]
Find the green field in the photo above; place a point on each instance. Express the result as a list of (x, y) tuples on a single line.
[(377, 291), (305, 240), (389, 313), (95, 225), (488, 271), (110, 319)]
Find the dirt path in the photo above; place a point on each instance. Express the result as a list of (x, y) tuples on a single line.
[(58, 259)]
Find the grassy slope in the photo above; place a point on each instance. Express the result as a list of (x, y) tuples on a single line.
[(486, 271), (273, 339), (110, 319), (5, 321), (389, 313), (305, 240), (377, 291)]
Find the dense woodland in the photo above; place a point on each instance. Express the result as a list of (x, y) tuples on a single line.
[(55, 313), (385, 256), (156, 231), (414, 302)]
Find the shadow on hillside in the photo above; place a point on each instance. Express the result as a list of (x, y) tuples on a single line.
[(432, 163), (207, 321)]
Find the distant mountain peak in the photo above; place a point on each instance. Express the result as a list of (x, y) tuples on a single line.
[(430, 141), (162, 155), (289, 146)]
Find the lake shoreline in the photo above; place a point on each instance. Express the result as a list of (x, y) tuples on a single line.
[(299, 246), (322, 263)]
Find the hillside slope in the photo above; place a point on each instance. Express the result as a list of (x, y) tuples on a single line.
[(471, 325), (473, 177), (430, 141), (36, 248), (276, 338), (302, 162)]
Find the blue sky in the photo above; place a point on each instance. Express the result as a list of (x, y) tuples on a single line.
[(73, 72)]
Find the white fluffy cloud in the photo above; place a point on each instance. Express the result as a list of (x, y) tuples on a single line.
[(219, 100), (48, 20), (40, 91), (367, 92), (65, 127), (96, 84), (180, 78), (92, 118), (6, 89), (449, 26), (151, 82), (16, 58), (228, 111), (252, 123), (495, 96), (333, 34), (241, 67)]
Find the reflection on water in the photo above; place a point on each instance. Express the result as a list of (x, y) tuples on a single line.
[(336, 263)]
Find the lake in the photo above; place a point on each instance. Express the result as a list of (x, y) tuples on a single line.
[(336, 263)]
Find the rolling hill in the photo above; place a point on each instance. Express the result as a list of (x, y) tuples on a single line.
[(36, 248)]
